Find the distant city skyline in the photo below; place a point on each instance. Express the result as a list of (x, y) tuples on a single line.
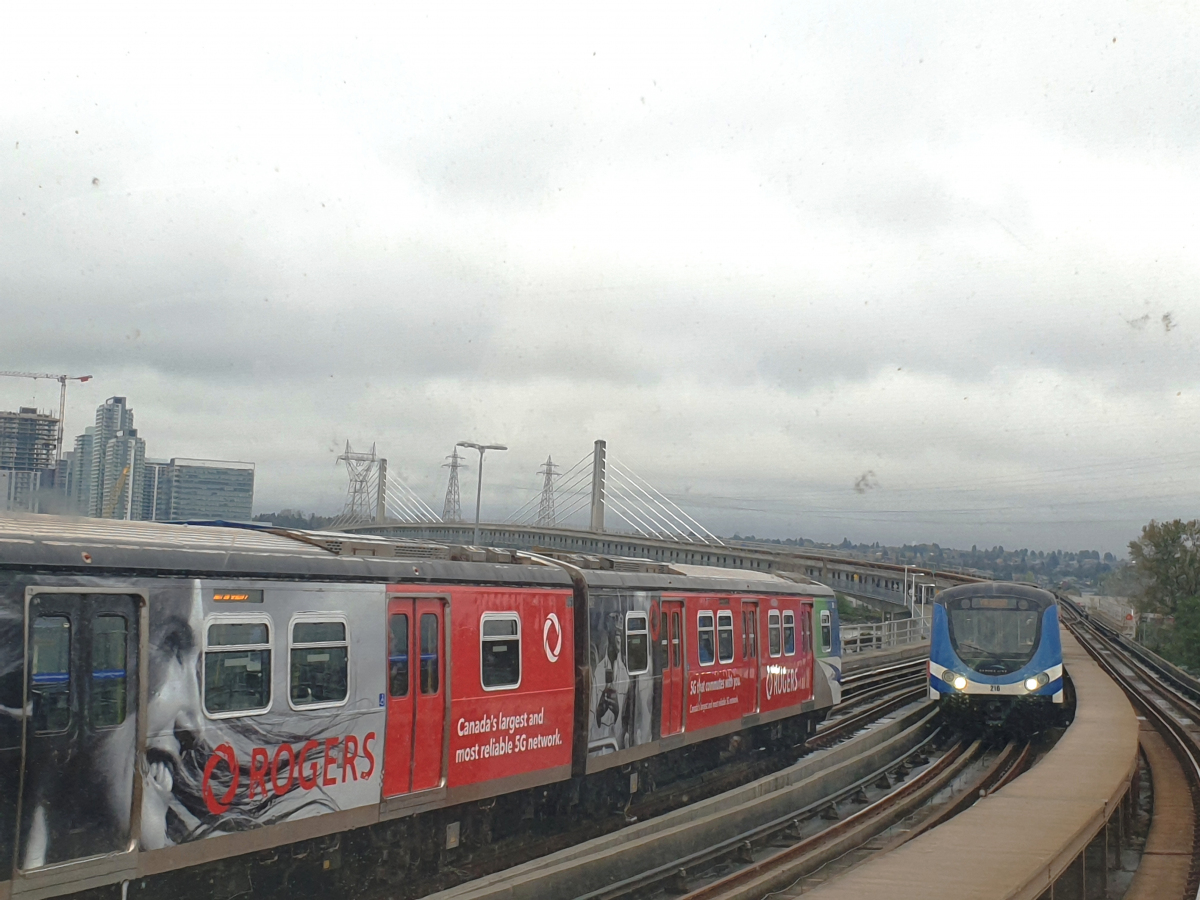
[(106, 473)]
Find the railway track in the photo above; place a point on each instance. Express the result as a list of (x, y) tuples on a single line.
[(1172, 707), (777, 857), (875, 695), (858, 685)]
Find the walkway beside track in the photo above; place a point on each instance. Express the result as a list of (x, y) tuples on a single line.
[(1015, 843)]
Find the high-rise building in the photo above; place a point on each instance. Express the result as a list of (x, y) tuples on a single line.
[(64, 472), (113, 417), (124, 476), (28, 440), (156, 490), (108, 475), (211, 489), (81, 471)]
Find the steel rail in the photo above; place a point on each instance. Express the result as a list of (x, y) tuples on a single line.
[(860, 681), (1184, 745), (836, 729), (742, 842), (854, 830), (697, 787), (870, 692), (876, 671), (1007, 766)]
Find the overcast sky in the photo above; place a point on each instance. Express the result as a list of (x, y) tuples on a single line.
[(762, 250)]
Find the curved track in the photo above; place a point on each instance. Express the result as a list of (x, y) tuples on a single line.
[(1172, 707)]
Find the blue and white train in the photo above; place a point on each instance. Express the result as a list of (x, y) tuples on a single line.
[(994, 648)]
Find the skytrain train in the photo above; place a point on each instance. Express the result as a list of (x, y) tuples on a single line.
[(995, 650), (193, 711)]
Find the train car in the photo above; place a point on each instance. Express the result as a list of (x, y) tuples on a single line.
[(994, 649), (215, 712)]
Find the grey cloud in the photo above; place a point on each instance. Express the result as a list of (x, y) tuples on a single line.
[(361, 233)]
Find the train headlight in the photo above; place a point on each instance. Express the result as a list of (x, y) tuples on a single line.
[(959, 682), (1033, 682)]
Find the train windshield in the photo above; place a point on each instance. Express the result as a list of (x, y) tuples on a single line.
[(994, 635)]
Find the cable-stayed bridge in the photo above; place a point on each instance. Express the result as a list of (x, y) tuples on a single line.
[(573, 515)]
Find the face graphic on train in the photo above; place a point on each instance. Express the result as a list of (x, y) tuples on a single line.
[(174, 719), (621, 702), (179, 778)]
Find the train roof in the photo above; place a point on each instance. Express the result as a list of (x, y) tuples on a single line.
[(997, 589), (146, 549)]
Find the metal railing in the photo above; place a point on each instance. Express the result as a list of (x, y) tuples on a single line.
[(883, 635)]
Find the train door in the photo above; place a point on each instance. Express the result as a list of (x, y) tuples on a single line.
[(806, 644), (78, 782), (414, 750), (673, 682), (750, 654)]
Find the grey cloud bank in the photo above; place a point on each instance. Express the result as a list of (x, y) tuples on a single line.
[(760, 251)]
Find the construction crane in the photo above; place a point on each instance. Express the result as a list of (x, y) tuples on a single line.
[(62, 398), (110, 505)]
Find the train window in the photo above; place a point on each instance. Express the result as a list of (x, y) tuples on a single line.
[(398, 655), (430, 670), (707, 643), (826, 631), (237, 667), (107, 698), (773, 633), (320, 663), (51, 674), (500, 640), (725, 637), (637, 643), (806, 630), (789, 633)]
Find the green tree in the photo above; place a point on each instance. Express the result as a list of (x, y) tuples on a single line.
[(1181, 644), (1124, 581), (1167, 556)]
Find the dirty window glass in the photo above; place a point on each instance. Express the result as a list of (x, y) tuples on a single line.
[(319, 663), (50, 686), (237, 667), (108, 671)]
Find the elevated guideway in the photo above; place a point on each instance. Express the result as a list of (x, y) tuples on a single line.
[(880, 583), (1042, 827)]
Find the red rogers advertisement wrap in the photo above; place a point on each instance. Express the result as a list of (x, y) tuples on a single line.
[(513, 685)]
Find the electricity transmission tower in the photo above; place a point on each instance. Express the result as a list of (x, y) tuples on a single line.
[(360, 504), (452, 509), (546, 516)]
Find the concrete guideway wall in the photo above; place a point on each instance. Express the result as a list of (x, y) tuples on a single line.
[(1015, 843)]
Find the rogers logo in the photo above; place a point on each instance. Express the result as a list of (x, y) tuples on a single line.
[(781, 680), (552, 628)]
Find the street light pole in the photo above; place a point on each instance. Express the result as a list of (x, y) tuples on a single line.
[(479, 485)]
